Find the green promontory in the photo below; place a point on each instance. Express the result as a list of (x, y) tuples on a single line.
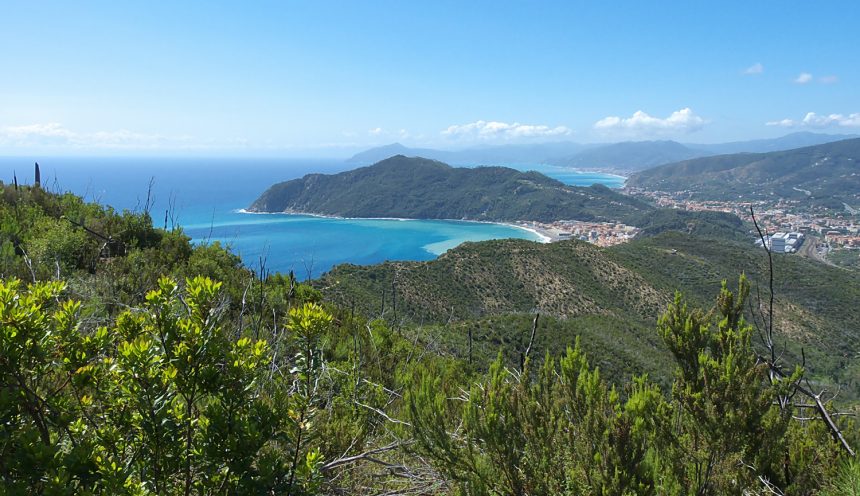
[(418, 188)]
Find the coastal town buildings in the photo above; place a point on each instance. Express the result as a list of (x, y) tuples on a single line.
[(785, 223), (598, 233), (777, 216)]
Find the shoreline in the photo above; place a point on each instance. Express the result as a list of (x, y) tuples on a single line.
[(617, 173), (622, 174), (542, 235)]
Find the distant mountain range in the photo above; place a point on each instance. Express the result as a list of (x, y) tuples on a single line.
[(492, 155), (625, 157), (827, 174), (420, 188), (787, 142), (629, 156)]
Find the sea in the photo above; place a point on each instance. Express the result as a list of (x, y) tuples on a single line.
[(205, 197)]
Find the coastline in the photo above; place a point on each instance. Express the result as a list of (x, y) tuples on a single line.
[(618, 173), (543, 235)]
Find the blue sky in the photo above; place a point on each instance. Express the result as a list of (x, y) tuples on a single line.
[(328, 78)]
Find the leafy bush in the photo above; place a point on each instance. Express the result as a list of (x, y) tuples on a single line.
[(163, 401)]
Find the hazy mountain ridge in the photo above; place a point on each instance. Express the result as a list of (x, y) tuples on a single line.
[(787, 142), (489, 155), (630, 156), (427, 189), (623, 156)]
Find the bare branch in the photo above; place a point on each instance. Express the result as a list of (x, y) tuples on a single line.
[(819, 406), (364, 456), (383, 414), (531, 342)]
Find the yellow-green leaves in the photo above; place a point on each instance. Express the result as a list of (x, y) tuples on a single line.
[(162, 399), (248, 354), (309, 321)]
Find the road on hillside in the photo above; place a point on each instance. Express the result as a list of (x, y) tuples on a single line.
[(810, 249)]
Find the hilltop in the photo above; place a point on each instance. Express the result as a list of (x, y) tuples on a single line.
[(826, 174), (427, 189), (610, 296)]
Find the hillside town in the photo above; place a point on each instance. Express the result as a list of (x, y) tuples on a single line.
[(841, 229), (598, 233), (785, 224)]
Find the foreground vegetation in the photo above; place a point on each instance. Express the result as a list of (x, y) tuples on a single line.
[(611, 297), (139, 364)]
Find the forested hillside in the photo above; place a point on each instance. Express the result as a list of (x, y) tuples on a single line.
[(132, 362), (426, 189), (624, 289), (827, 174)]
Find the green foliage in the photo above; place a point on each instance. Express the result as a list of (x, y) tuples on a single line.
[(121, 381), (566, 279), (123, 407), (164, 401), (814, 304), (611, 297), (627, 349), (56, 245), (733, 428), (846, 482), (559, 430), (848, 258), (35, 334), (706, 224), (53, 233), (562, 430)]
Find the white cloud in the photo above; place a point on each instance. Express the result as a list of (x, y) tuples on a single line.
[(384, 134), (814, 120), (803, 78), (494, 130), (756, 68), (55, 135), (642, 124), (51, 130), (781, 123), (828, 79)]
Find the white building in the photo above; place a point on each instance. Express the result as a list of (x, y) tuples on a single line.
[(777, 244)]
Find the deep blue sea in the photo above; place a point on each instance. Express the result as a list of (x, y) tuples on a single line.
[(207, 194)]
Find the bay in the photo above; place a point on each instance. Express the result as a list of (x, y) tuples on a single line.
[(205, 196)]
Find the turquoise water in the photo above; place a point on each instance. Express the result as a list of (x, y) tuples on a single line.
[(573, 177), (310, 245), (204, 197), (579, 178)]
